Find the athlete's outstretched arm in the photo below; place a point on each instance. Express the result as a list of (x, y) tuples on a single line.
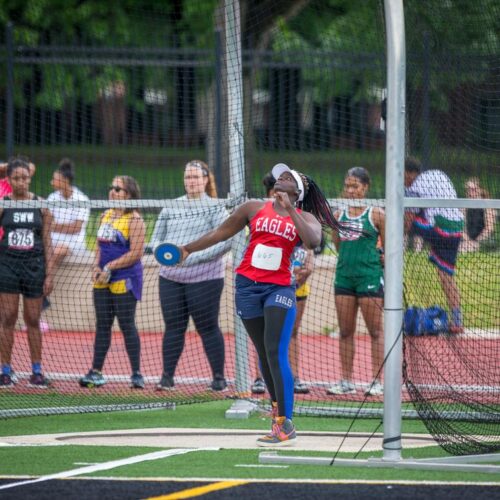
[(232, 225)]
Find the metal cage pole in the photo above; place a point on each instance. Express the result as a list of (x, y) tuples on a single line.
[(235, 97), (240, 408), (394, 213)]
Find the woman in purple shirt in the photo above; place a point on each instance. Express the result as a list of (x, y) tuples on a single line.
[(117, 278)]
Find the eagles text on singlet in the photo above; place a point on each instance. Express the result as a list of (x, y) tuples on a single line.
[(277, 227)]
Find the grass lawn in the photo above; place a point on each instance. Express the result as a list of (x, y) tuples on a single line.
[(200, 415), (225, 463), (479, 287)]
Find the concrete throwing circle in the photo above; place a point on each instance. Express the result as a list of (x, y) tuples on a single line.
[(222, 438)]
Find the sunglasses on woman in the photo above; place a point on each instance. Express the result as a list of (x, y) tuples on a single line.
[(117, 189)]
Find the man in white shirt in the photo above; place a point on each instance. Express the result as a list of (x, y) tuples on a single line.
[(69, 223), (441, 228)]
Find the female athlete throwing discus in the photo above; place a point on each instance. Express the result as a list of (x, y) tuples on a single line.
[(265, 298)]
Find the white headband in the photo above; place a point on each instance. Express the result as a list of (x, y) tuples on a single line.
[(279, 168)]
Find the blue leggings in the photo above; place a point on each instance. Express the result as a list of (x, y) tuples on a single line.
[(122, 306), (271, 336), (201, 301)]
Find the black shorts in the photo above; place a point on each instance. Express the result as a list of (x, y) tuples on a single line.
[(22, 275)]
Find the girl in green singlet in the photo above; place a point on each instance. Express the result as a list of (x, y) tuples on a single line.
[(359, 281)]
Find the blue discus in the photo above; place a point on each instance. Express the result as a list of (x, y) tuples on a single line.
[(168, 254)]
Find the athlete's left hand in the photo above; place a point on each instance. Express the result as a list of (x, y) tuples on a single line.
[(283, 200)]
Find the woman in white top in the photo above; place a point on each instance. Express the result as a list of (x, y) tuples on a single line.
[(69, 223)]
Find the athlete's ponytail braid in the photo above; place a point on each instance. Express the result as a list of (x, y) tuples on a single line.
[(316, 203)]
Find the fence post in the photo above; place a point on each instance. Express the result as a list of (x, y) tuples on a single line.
[(218, 110), (9, 126)]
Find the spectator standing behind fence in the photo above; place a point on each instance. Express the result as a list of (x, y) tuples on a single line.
[(193, 289), (69, 223), (441, 228), (25, 269), (117, 275), (479, 222), (265, 299), (359, 281), (302, 267)]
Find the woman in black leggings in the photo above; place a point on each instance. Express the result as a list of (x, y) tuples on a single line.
[(193, 289), (117, 277)]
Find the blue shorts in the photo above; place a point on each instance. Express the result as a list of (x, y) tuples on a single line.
[(252, 297), (444, 248)]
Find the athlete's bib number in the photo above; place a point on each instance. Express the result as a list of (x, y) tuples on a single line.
[(106, 232), (267, 258), (21, 239)]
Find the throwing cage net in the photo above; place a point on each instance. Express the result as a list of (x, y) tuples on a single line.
[(453, 112), (313, 79)]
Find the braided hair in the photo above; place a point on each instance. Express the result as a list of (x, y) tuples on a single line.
[(316, 203)]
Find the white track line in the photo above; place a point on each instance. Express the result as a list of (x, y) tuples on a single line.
[(108, 465)]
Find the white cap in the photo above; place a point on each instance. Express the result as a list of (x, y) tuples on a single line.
[(279, 168)]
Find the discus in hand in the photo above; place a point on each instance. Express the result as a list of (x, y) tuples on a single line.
[(168, 254)]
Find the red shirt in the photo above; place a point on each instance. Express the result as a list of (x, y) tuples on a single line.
[(5, 187), (272, 240), (5, 190)]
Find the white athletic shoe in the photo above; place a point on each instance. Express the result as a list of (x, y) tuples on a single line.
[(342, 387), (375, 389)]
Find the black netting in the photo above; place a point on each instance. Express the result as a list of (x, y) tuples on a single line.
[(452, 322)]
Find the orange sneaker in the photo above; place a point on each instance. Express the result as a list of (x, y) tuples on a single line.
[(282, 434)]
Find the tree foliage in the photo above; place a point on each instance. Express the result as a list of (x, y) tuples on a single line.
[(325, 29), (344, 42)]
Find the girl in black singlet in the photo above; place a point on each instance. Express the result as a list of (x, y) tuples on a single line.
[(25, 269)]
